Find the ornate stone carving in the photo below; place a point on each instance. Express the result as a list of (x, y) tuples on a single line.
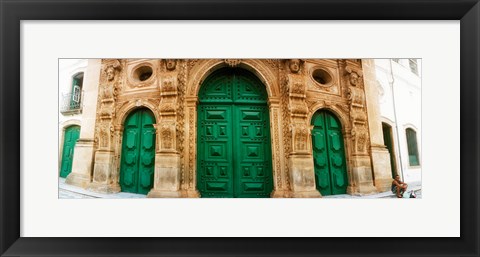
[(182, 86), (277, 148), (295, 65), (191, 63), (301, 137), (167, 137), (170, 64), (284, 91), (191, 146), (232, 62), (354, 76), (358, 115), (105, 132), (273, 63), (111, 68)]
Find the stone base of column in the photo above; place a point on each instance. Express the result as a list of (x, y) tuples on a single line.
[(82, 164), (302, 176), (384, 184), (281, 194), (167, 176), (164, 194), (104, 188), (79, 180), (307, 194), (191, 194), (382, 168), (362, 177)]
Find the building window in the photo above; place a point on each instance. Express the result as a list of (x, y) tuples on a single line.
[(413, 65), (72, 102), (412, 147)]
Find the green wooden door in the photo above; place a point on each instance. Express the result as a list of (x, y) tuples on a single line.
[(71, 136), (329, 154), (233, 147), (138, 152)]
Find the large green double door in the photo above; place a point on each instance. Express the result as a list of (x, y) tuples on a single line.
[(71, 136), (233, 148), (328, 154), (138, 152)]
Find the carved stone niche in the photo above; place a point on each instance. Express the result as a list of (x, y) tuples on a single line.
[(141, 74)]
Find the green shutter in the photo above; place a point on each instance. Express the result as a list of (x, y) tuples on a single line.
[(412, 147)]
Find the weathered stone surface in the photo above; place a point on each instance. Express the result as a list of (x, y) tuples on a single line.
[(169, 88)]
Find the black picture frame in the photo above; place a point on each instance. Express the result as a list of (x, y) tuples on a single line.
[(12, 12)]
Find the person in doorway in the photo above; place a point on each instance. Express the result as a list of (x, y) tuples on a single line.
[(398, 187)]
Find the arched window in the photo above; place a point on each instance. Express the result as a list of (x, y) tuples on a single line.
[(412, 147)]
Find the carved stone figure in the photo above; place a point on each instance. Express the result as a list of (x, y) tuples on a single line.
[(111, 69), (294, 65), (170, 64), (354, 77)]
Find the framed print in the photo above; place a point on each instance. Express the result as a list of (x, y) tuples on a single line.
[(282, 65)]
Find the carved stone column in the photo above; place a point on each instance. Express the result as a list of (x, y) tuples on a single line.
[(362, 179), (302, 174), (190, 161), (280, 188), (105, 178), (167, 176), (82, 166), (380, 156)]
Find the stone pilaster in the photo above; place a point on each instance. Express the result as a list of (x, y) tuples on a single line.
[(82, 165), (105, 177), (360, 162), (167, 176), (302, 173), (380, 156), (191, 148), (279, 189)]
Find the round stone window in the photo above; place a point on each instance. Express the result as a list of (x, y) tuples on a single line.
[(322, 76), (143, 73)]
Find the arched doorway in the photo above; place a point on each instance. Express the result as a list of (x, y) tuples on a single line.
[(138, 152), (388, 141), (70, 138), (329, 154), (233, 144)]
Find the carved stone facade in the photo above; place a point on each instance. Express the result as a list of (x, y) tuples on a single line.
[(169, 89)]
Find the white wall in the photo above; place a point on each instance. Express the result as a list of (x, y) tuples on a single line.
[(406, 88), (67, 68)]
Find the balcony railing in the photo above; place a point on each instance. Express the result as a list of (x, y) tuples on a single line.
[(72, 103)]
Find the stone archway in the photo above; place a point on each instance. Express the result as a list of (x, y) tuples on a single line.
[(267, 76), (234, 149)]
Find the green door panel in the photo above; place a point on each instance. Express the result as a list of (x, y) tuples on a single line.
[(71, 136), (138, 152), (329, 154), (233, 148)]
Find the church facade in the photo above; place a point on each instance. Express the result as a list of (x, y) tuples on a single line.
[(227, 128)]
